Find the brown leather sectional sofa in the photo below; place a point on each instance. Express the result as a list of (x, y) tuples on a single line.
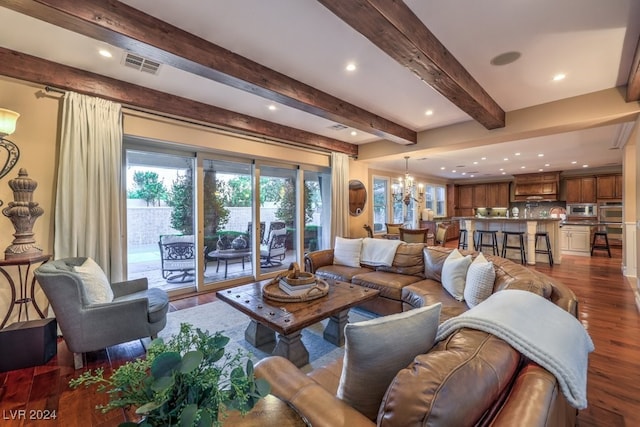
[(471, 378)]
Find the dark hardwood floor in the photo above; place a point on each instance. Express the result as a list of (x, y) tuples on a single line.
[(607, 309)]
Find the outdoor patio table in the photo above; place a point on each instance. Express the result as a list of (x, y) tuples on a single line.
[(227, 255)]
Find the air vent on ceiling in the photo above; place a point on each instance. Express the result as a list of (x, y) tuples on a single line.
[(337, 126), (140, 63)]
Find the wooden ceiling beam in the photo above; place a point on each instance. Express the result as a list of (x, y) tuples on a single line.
[(125, 27), (633, 82), (395, 29), (37, 70)]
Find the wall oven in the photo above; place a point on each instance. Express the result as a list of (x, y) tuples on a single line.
[(610, 216), (583, 210)]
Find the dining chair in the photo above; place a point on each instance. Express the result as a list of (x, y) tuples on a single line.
[(414, 235), (441, 233)]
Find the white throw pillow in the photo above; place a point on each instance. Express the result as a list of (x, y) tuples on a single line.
[(375, 350), (480, 278), (347, 252), (97, 289), (454, 273)]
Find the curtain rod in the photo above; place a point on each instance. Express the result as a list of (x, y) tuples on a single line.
[(53, 89), (235, 132)]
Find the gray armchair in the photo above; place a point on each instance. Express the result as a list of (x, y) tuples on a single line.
[(135, 312)]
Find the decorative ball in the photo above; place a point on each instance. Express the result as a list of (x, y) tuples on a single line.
[(239, 243)]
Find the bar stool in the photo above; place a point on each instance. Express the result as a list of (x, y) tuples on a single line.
[(520, 247), (548, 243), (462, 239), (597, 242), (481, 241)]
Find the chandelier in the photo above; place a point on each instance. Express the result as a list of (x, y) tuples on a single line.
[(404, 189)]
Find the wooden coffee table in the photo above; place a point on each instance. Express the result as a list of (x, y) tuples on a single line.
[(288, 319)]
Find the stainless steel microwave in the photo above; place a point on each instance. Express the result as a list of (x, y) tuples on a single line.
[(582, 210)]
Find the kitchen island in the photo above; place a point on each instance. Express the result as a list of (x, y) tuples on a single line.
[(530, 226)]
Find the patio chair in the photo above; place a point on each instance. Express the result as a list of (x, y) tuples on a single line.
[(178, 257), (275, 248), (274, 225), (130, 311), (260, 232)]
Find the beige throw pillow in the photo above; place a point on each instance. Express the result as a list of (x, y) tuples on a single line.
[(97, 289), (454, 273), (347, 252), (480, 279), (375, 350)]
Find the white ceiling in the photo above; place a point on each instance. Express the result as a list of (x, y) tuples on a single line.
[(591, 41)]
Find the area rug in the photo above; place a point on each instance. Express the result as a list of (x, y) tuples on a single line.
[(219, 316)]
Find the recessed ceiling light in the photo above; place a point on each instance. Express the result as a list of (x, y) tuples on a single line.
[(585, 166), (428, 113), (540, 155), (453, 171), (522, 167), (573, 162), (559, 76), (472, 176), (105, 53), (354, 133), (501, 169), (547, 165), (506, 159), (442, 168), (517, 154), (504, 173), (350, 67), (475, 163), (464, 173), (505, 58), (540, 170), (483, 158), (272, 107)]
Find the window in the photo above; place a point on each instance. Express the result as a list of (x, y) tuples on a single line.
[(380, 198), (436, 199)]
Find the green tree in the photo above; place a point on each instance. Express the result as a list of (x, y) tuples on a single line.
[(215, 214), (181, 200), (237, 191), (287, 208), (148, 188)]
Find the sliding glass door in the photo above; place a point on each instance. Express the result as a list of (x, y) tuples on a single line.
[(200, 221), (160, 219), (227, 213), (278, 213)]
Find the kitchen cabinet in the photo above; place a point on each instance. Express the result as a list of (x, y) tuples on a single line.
[(609, 187), (498, 195), (576, 239), (465, 197), (543, 185), (491, 195), (581, 190), (480, 196)]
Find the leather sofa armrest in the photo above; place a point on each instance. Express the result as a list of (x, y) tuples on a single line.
[(535, 401), (129, 287), (316, 259), (315, 404)]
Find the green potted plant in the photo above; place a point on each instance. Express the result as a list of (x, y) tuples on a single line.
[(189, 381)]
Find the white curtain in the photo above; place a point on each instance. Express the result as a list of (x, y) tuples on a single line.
[(87, 212), (339, 196)]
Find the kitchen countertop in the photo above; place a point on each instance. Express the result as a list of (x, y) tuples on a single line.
[(502, 218)]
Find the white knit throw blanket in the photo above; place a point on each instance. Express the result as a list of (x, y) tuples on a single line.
[(540, 330)]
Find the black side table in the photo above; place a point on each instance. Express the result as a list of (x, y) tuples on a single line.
[(25, 291)]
